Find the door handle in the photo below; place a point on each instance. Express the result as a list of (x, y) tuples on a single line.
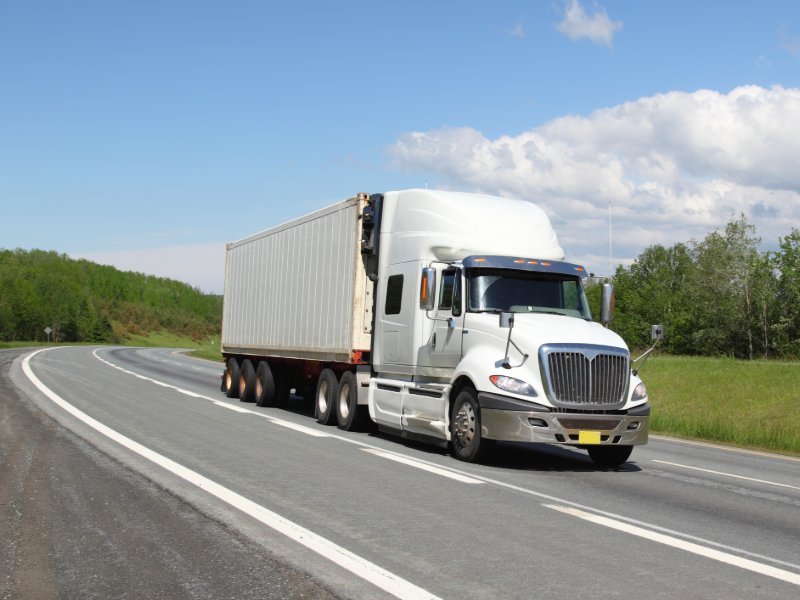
[(433, 341)]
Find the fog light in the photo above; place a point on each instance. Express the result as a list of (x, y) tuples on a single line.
[(633, 426), (537, 422)]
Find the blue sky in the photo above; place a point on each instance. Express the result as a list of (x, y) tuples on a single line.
[(147, 134)]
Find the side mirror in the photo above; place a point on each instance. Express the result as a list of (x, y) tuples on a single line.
[(607, 304), (427, 290), (656, 332)]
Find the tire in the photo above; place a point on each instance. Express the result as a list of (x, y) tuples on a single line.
[(349, 415), (609, 456), (247, 382), (265, 390), (325, 398), (230, 381), (465, 428)]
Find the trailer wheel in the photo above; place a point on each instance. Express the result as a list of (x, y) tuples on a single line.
[(230, 381), (349, 414), (465, 427), (325, 398), (264, 394), (609, 456), (247, 382)]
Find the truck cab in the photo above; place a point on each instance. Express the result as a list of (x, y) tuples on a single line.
[(483, 333)]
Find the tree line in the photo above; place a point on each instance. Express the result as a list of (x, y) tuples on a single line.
[(81, 301), (717, 296)]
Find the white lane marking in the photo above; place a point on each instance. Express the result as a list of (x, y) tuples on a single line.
[(383, 579), (736, 561), (420, 465), (535, 494), (786, 485), (664, 438), (231, 407), (281, 422), (295, 426)]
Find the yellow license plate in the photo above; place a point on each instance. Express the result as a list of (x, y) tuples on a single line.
[(588, 437)]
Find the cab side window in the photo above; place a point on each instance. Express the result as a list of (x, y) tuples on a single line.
[(394, 295), (450, 291)]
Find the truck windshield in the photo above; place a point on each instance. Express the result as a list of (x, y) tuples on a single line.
[(506, 290)]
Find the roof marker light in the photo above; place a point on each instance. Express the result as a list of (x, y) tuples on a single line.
[(519, 260), (546, 264), (480, 260), (533, 262)]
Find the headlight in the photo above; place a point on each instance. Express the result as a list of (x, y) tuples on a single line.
[(639, 392), (515, 386)]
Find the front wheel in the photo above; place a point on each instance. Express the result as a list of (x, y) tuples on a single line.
[(609, 456), (465, 428)]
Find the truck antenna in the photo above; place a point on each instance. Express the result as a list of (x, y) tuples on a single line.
[(610, 252)]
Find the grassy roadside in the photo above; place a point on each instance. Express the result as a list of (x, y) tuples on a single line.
[(754, 404), (207, 348)]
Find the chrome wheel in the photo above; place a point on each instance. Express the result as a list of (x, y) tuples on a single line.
[(344, 401), (322, 397), (465, 424), (466, 434)]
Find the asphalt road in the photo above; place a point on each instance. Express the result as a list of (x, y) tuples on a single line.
[(154, 480)]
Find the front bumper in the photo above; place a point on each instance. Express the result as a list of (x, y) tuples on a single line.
[(511, 420)]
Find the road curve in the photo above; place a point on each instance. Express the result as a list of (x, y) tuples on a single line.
[(390, 519)]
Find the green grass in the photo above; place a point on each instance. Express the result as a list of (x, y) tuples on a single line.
[(38, 344), (207, 348), (753, 404)]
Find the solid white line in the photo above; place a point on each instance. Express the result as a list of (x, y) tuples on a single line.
[(529, 492), (664, 438), (422, 466), (664, 462), (293, 426), (231, 407), (276, 421), (736, 561), (385, 580)]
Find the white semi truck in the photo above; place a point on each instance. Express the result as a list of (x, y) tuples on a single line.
[(440, 316)]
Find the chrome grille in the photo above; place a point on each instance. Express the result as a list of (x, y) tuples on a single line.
[(590, 376)]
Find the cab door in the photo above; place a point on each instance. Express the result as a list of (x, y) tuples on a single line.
[(448, 327)]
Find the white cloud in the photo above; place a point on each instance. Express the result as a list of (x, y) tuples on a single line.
[(597, 27), (200, 265), (672, 166)]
